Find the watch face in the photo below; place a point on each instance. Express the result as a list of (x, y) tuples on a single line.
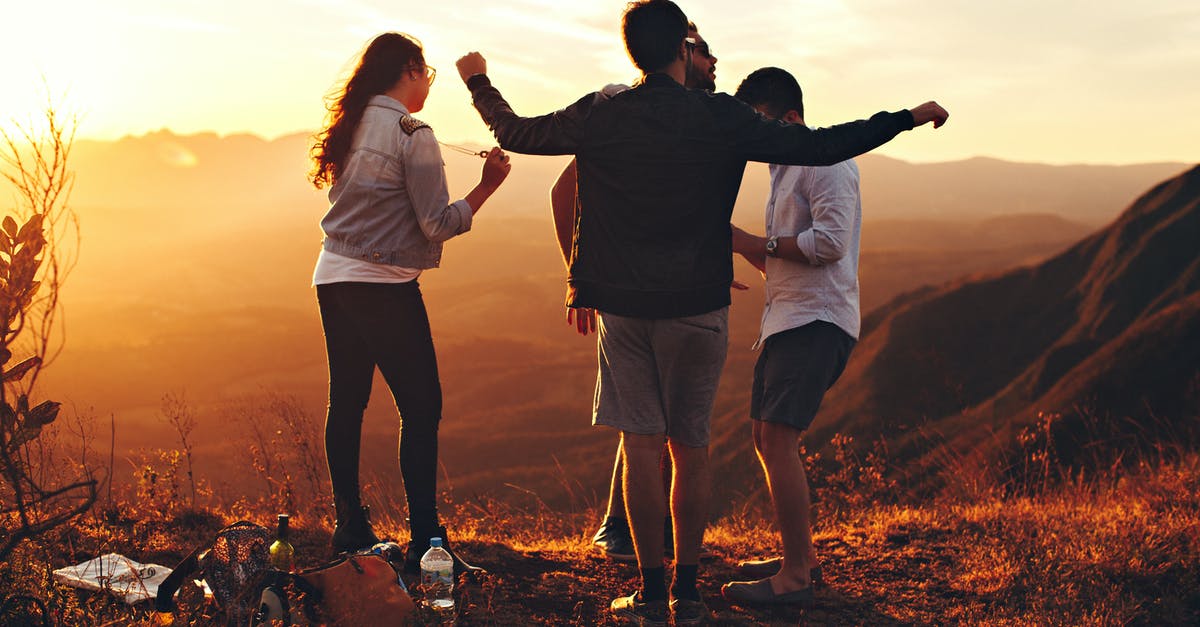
[(772, 244)]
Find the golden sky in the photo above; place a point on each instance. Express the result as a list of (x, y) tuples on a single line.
[(1057, 81)]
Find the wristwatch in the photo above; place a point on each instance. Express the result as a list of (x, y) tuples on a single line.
[(773, 247)]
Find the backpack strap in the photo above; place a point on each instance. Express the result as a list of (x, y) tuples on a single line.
[(165, 601)]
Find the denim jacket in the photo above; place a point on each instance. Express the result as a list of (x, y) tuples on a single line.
[(659, 170), (390, 204)]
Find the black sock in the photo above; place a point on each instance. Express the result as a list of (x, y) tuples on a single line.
[(654, 585), (616, 522), (684, 586)]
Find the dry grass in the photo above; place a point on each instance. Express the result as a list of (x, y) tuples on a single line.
[(1120, 548)]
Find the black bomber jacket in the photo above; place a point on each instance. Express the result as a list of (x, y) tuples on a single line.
[(659, 170)]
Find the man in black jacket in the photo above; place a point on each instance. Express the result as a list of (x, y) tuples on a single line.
[(659, 170)]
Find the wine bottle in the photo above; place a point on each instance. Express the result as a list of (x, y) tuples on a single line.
[(282, 553)]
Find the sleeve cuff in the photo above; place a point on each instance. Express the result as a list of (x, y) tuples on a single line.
[(905, 120), (466, 215), (807, 243), (481, 80)]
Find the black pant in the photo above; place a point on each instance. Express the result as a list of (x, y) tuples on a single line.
[(385, 325)]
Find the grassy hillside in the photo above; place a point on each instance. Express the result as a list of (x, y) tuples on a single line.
[(1105, 330), (1116, 548)]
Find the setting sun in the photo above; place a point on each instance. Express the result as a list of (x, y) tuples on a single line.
[(1052, 82)]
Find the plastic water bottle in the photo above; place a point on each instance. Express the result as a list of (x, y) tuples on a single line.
[(437, 578)]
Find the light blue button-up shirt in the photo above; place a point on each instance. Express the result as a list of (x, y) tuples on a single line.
[(821, 207)]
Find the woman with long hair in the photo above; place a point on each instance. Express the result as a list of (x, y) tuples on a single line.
[(389, 213)]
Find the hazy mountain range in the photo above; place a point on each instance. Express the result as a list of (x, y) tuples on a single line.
[(197, 254)]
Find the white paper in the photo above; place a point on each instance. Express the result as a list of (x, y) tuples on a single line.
[(124, 578)]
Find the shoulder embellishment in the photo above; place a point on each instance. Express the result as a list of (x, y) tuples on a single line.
[(411, 124)]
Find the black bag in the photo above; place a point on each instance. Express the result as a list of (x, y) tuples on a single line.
[(233, 567)]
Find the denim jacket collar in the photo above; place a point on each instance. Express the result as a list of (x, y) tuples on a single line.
[(387, 102)]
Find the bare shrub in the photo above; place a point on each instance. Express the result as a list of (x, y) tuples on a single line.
[(175, 412), (286, 451), (34, 263)]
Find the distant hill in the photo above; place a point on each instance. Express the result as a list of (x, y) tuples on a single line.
[(983, 187), (141, 172), (1105, 333), (194, 273)]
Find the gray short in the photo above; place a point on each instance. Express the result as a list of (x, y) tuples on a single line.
[(660, 376)]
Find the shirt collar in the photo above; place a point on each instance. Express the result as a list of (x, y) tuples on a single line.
[(660, 79), (387, 102)]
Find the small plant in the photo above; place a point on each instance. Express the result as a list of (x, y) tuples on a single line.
[(32, 270), (176, 412)]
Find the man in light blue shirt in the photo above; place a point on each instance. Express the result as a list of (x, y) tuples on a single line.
[(810, 324)]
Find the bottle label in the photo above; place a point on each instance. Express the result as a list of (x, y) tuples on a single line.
[(430, 577)]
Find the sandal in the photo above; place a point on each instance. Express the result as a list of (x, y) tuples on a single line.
[(758, 569), (760, 593)]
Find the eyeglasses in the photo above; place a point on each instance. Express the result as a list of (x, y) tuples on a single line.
[(430, 72), (700, 46)]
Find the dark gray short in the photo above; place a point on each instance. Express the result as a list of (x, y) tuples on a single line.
[(660, 376), (795, 369)]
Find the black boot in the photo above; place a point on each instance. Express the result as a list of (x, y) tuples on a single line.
[(420, 544), (352, 532)]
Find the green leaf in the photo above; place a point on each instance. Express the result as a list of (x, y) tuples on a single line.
[(23, 436), (20, 370), (32, 228), (7, 416), (10, 226), (42, 414)]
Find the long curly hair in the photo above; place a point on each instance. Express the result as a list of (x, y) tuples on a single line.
[(384, 61)]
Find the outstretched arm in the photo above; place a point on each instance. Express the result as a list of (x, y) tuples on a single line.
[(757, 138), (557, 133)]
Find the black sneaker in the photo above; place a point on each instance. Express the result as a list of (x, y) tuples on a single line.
[(688, 612), (632, 609), (614, 539)]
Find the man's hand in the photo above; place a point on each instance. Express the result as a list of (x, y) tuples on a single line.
[(583, 319), (471, 64), (752, 247), (929, 112)]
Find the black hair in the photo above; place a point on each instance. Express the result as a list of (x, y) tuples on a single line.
[(653, 30), (773, 89)]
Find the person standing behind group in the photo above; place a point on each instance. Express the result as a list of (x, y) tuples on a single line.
[(613, 537), (389, 214), (810, 324)]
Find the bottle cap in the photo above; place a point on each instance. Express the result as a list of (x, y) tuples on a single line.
[(435, 542)]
